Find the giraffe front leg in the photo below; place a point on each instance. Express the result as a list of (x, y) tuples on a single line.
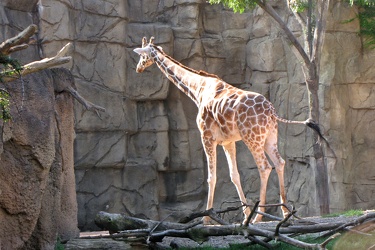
[(230, 153), (210, 150), (211, 180)]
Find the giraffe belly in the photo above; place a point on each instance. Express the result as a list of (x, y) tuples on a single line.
[(227, 134), (219, 121)]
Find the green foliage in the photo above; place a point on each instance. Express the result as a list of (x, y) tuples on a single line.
[(4, 105), (367, 23), (10, 67), (357, 239), (236, 5), (349, 213), (59, 245), (362, 2), (299, 5), (366, 17)]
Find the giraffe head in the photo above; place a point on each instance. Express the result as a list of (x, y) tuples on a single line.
[(146, 59)]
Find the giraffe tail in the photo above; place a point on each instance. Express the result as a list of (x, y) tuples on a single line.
[(313, 125), (309, 123)]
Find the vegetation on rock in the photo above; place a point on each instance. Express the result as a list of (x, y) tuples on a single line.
[(9, 66)]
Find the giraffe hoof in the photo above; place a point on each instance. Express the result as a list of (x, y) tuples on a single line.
[(207, 221), (256, 219)]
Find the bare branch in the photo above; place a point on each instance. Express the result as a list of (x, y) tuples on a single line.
[(18, 48), (354, 222), (87, 104), (319, 31), (323, 245), (253, 211), (19, 42), (36, 66), (66, 50), (283, 222), (195, 215), (271, 11), (260, 242), (9, 45)]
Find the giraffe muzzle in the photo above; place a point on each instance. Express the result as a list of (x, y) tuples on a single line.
[(139, 69)]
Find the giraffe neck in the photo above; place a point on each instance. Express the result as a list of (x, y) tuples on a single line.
[(187, 80)]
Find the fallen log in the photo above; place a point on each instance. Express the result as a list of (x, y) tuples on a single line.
[(122, 226), (119, 222), (116, 223), (157, 230)]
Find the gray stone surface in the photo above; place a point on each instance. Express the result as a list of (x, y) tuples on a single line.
[(249, 51)]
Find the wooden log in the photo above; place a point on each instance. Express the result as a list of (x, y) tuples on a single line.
[(127, 226), (120, 222)]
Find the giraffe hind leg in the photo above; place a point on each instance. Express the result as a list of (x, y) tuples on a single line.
[(264, 168), (279, 163)]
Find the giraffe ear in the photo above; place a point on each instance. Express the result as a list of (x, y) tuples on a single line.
[(140, 51), (144, 42)]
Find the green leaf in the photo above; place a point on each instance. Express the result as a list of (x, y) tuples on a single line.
[(236, 5)]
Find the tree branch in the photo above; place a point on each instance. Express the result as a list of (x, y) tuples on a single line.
[(87, 104), (210, 212), (18, 42), (59, 59), (271, 11), (354, 222), (319, 32), (63, 56)]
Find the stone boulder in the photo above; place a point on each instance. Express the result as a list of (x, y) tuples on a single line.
[(37, 185)]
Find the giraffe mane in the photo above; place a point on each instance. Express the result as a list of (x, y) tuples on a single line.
[(199, 72)]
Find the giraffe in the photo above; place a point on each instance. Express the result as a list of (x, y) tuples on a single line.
[(227, 114)]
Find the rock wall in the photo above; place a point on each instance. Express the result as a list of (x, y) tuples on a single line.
[(37, 185), (144, 156), (348, 80)]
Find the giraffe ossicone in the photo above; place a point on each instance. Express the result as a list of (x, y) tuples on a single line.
[(226, 114)]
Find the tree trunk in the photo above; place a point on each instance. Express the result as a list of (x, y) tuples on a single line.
[(321, 173), (311, 72)]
